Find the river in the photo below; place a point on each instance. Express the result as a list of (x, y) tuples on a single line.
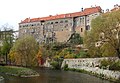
[(56, 76)]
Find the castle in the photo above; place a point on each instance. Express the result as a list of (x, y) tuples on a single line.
[(59, 27)]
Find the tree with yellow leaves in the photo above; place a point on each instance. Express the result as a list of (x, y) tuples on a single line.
[(24, 51)]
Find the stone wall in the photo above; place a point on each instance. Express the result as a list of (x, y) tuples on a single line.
[(1, 79), (92, 65)]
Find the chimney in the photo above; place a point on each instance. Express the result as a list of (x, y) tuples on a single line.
[(116, 4), (50, 15), (82, 9), (29, 19), (107, 10)]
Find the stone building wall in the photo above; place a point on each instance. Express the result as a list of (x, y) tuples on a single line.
[(59, 27)]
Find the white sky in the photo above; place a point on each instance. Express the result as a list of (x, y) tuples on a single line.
[(13, 11)]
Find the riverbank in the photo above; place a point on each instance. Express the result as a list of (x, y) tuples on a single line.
[(91, 66), (96, 74), (18, 71)]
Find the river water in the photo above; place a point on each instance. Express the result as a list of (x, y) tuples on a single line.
[(56, 76)]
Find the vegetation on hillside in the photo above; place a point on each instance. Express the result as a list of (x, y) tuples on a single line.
[(111, 64), (75, 39), (105, 31)]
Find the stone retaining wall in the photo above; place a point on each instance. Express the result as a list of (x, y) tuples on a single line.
[(92, 65), (1, 79)]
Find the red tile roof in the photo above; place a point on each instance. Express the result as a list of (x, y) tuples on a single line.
[(86, 11)]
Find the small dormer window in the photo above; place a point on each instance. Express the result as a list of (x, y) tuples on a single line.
[(56, 22)]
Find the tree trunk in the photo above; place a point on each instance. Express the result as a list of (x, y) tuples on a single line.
[(6, 58)]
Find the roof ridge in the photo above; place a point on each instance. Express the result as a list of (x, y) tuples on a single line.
[(86, 11)]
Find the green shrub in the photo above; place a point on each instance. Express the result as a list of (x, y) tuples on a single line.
[(110, 64), (82, 54), (104, 64), (65, 67), (55, 65), (72, 69), (115, 66)]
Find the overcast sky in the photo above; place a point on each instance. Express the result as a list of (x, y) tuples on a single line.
[(13, 11)]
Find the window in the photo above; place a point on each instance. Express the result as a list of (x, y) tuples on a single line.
[(56, 22), (66, 25), (82, 20), (87, 20), (88, 27), (51, 22), (61, 21), (26, 25), (96, 14), (97, 43), (66, 20), (32, 30), (81, 29)]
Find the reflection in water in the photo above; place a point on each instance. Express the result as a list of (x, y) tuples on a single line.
[(56, 76)]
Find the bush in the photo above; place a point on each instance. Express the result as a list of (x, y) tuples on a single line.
[(65, 67), (115, 66), (82, 54), (110, 64), (55, 65), (105, 64)]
